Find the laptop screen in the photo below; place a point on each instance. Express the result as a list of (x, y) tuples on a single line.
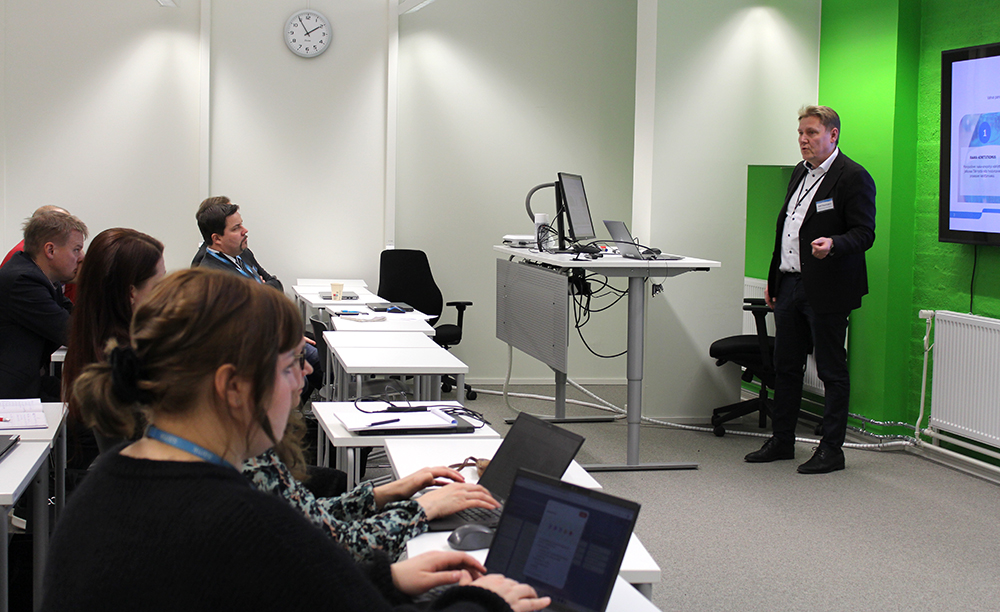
[(534, 444), (566, 541)]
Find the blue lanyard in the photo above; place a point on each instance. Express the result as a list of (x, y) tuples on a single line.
[(187, 446), (238, 267)]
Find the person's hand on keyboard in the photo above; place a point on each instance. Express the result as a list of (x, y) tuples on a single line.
[(404, 488), (455, 497)]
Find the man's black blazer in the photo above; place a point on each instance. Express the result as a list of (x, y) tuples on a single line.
[(34, 322), (208, 260), (837, 282)]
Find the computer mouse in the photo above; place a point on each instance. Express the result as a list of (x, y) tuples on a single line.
[(651, 251), (471, 537)]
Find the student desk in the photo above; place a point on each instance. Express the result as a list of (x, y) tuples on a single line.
[(309, 302), (408, 456), (339, 340), (637, 271), (27, 464), (346, 443), (393, 322), (24, 465)]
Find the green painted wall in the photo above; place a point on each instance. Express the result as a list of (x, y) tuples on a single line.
[(868, 62), (942, 278), (766, 187), (880, 67)]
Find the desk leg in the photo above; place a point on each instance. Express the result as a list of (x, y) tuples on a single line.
[(646, 589), (4, 562), (40, 529), (322, 453), (459, 388), (60, 469), (636, 335)]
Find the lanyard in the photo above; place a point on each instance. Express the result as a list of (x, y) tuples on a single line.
[(803, 194), (238, 267), (187, 446)]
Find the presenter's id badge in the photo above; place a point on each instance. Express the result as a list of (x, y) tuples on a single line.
[(824, 205)]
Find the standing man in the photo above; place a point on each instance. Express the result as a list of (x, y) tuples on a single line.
[(34, 313), (817, 277)]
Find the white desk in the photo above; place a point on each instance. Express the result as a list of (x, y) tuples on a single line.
[(338, 340), (310, 302), (407, 322), (425, 364), (345, 443), (25, 464), (637, 271), (408, 456)]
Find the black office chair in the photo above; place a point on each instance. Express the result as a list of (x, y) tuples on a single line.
[(755, 353), (405, 276), (318, 327)]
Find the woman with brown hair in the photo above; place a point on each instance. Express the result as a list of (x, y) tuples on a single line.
[(121, 268), (169, 523)]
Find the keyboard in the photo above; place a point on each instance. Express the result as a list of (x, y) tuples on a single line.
[(481, 516)]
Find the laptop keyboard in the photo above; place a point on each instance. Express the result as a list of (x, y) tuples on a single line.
[(480, 516)]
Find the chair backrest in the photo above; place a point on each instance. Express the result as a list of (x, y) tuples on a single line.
[(405, 276), (318, 327)]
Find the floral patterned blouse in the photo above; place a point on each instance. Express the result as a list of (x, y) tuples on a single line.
[(351, 519)]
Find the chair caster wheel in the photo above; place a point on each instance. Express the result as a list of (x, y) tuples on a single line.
[(819, 429), (719, 431), (716, 420), (445, 388), (471, 395)]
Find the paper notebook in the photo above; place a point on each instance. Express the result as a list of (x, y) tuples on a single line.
[(22, 414)]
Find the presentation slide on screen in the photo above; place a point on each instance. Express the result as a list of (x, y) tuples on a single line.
[(975, 145)]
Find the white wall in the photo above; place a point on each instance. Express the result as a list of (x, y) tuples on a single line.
[(731, 75), (108, 124), (300, 143), (104, 123), (495, 98)]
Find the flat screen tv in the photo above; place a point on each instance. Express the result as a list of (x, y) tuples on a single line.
[(970, 145)]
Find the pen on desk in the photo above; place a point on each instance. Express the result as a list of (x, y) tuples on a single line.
[(385, 422), (6, 420)]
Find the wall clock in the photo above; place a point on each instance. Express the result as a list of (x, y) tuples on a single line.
[(308, 33)]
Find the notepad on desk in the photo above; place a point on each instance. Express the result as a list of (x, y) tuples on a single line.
[(22, 414), (431, 421)]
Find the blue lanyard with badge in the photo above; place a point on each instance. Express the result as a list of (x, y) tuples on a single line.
[(238, 267)]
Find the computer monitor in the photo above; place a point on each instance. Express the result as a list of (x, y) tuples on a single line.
[(574, 205)]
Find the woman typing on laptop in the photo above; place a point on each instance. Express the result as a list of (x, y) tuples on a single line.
[(169, 523)]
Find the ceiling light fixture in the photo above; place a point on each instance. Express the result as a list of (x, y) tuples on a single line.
[(412, 6)]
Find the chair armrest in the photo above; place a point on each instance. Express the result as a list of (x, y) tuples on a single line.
[(460, 306)]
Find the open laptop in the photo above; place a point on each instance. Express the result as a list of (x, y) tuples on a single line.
[(627, 246), (531, 443), (564, 540)]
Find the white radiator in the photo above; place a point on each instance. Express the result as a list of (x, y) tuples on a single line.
[(965, 389), (754, 288)]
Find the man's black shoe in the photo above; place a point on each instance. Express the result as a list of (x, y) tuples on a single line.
[(771, 451), (824, 461)]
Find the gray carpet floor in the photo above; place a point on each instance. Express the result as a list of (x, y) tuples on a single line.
[(891, 532)]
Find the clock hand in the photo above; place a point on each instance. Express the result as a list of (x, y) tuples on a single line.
[(313, 30), (303, 26)]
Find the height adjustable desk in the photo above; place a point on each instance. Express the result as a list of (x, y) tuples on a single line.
[(531, 295)]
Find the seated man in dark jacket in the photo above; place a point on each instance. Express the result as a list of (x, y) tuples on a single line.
[(34, 313), (225, 248)]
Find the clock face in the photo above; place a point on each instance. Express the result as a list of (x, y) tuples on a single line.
[(308, 33)]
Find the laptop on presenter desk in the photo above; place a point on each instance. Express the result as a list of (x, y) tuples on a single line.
[(531, 443), (564, 540), (627, 246)]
